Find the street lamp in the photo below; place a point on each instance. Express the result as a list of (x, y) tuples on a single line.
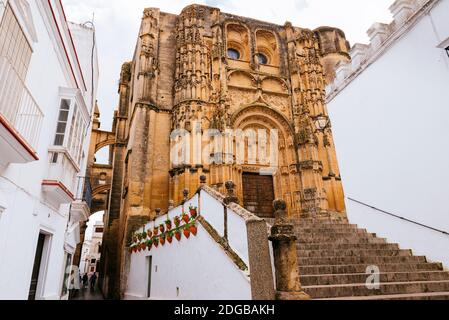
[(321, 122)]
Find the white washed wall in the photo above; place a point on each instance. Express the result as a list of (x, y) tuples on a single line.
[(198, 266), (26, 212), (391, 127), (237, 235), (212, 211)]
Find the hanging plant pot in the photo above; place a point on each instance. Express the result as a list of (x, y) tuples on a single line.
[(135, 249), (185, 217), (162, 228), (193, 229), (193, 212), (149, 245), (187, 233), (156, 242), (143, 246), (144, 235), (162, 240), (168, 225), (177, 221), (178, 235), (149, 234), (139, 248), (139, 237), (170, 237), (135, 239), (155, 231)]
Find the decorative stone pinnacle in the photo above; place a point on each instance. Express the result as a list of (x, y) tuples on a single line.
[(230, 185), (280, 207), (158, 212), (186, 194), (203, 179), (230, 197)]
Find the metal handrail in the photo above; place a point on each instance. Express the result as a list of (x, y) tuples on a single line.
[(399, 217)]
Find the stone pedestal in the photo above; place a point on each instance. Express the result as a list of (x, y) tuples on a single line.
[(231, 197), (288, 286)]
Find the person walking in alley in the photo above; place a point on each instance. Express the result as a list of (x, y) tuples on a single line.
[(85, 281), (93, 280)]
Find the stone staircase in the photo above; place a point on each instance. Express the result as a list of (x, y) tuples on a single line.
[(333, 257)]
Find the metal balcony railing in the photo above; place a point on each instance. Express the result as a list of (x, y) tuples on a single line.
[(84, 190), (17, 104)]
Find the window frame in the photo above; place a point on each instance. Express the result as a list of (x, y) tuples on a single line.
[(67, 121), (235, 51), (16, 47), (267, 59), (77, 123)]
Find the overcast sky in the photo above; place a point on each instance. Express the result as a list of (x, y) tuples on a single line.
[(117, 24)]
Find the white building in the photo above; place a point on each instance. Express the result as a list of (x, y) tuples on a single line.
[(390, 112), (48, 81), (91, 252)]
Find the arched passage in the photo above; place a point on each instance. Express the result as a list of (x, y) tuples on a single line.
[(103, 144)]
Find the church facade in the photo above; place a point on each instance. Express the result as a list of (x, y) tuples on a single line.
[(213, 95)]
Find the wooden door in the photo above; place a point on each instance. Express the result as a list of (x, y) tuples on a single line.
[(258, 194), (36, 267)]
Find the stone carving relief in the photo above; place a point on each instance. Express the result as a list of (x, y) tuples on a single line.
[(240, 97), (280, 103)]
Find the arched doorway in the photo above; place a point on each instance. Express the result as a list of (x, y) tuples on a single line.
[(272, 173)]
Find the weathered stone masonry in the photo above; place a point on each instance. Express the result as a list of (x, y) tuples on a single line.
[(181, 74)]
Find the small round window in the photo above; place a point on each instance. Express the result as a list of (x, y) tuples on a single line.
[(262, 59), (233, 54)]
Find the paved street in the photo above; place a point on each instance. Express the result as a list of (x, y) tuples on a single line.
[(87, 294)]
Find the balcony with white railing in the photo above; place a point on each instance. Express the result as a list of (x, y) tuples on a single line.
[(20, 118), (80, 210)]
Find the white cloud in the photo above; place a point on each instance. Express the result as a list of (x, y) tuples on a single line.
[(117, 24)]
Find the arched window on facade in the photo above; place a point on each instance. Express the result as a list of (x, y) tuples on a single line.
[(267, 48), (238, 42)]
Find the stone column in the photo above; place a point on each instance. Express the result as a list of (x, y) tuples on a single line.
[(288, 286)]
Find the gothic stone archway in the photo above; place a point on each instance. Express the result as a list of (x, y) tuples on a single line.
[(255, 178)]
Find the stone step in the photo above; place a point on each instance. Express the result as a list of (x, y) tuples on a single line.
[(347, 246), (329, 237), (373, 260), (334, 240), (414, 296), (320, 230), (324, 223), (361, 268), (353, 290), (334, 279), (353, 253), (338, 233)]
